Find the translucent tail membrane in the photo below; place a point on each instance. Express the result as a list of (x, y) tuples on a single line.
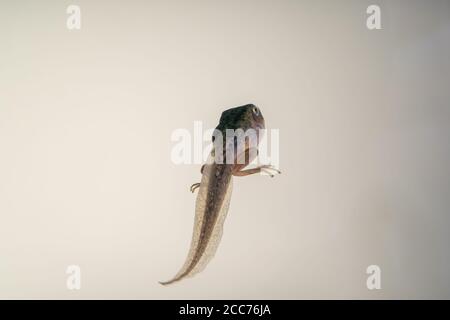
[(213, 201)]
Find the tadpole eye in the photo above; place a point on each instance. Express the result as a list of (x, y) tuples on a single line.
[(255, 110)]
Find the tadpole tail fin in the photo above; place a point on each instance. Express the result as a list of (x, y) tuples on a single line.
[(203, 248)]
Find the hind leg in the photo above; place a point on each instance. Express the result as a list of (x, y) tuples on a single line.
[(195, 186), (266, 169), (245, 158)]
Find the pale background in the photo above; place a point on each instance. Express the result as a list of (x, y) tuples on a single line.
[(85, 170)]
